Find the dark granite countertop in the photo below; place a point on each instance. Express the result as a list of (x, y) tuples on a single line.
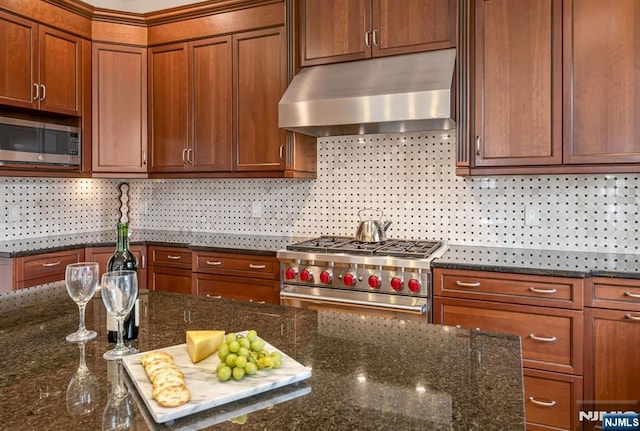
[(367, 373), (540, 262), (222, 242)]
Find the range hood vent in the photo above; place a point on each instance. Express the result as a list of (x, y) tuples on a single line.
[(406, 93)]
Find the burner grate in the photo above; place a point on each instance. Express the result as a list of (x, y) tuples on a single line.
[(392, 247)]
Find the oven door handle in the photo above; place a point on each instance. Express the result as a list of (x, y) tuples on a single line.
[(420, 308)]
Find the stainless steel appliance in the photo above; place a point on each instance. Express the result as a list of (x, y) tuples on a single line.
[(35, 142), (391, 278)]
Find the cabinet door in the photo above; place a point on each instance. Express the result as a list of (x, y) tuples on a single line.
[(259, 59), (170, 279), (611, 363), (238, 288), (332, 31), (406, 26), (168, 107), (119, 108), (518, 93), (210, 90), (18, 59), (602, 81), (102, 255), (60, 58)]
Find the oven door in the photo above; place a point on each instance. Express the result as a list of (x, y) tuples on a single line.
[(361, 303)]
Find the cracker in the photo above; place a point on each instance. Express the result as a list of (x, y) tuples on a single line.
[(173, 396), (151, 356)]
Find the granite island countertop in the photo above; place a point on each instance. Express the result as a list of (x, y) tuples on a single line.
[(367, 373)]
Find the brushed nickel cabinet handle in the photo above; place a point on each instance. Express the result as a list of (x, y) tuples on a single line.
[(190, 156), (43, 92), (537, 290), (281, 152), (214, 296), (374, 37), (173, 257), (367, 42), (464, 284), (144, 157), (144, 261), (214, 263), (632, 295), (544, 339), (257, 302), (252, 266), (36, 96), (51, 264), (542, 403), (184, 155), (478, 145), (631, 317)]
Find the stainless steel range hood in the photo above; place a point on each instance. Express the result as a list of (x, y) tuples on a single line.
[(405, 93)]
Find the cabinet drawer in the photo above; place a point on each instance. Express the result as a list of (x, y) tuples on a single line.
[(616, 293), (512, 288), (237, 264), (551, 400), (253, 290), (170, 279), (551, 338), (45, 268), (170, 257)]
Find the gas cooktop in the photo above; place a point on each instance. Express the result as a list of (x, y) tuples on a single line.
[(418, 249)]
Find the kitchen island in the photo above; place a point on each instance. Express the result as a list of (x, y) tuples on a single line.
[(367, 373)]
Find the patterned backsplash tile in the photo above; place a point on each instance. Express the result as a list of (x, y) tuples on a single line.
[(408, 176)]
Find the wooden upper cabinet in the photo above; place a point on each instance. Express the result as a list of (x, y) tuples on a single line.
[(259, 83), (18, 61), (518, 93), (602, 81), (168, 107), (41, 67), (210, 123), (119, 109), (342, 30)]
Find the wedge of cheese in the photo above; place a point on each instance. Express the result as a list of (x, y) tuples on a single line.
[(202, 344)]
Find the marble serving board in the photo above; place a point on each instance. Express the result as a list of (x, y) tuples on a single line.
[(206, 390)]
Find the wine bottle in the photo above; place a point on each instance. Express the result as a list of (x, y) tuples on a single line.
[(123, 259)]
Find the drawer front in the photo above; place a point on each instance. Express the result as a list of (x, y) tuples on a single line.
[(237, 264), (512, 288), (614, 293), (551, 400), (551, 338), (170, 257), (256, 290), (170, 279), (47, 267)]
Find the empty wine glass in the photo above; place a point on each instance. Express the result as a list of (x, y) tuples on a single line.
[(81, 280), (83, 391), (119, 293), (119, 413)]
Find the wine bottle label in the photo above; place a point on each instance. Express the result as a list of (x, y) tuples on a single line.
[(112, 323)]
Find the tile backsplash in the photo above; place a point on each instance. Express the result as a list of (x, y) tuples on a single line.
[(408, 176)]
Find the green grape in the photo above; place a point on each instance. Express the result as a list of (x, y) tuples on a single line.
[(277, 355), (243, 352), (252, 359), (241, 361), (230, 360), (230, 337), (234, 346), (257, 345), (224, 373), (245, 342), (252, 336), (223, 351), (250, 369), (267, 361), (277, 363), (238, 373), (220, 365)]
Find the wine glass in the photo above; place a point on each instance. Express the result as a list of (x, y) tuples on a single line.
[(81, 280), (83, 390), (119, 293), (119, 413)]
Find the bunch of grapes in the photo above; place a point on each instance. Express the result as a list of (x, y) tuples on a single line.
[(242, 355)]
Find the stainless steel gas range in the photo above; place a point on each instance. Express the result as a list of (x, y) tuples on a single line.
[(391, 278)]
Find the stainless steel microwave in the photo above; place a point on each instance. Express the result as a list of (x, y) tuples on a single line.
[(35, 142)]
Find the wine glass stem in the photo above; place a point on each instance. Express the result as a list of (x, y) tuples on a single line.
[(120, 343), (83, 363), (81, 327)]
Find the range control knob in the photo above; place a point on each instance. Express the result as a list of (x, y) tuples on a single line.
[(396, 283), (325, 277), (306, 275), (290, 274), (349, 279), (374, 281), (414, 285)]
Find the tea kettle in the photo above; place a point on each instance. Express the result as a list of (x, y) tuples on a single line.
[(372, 230)]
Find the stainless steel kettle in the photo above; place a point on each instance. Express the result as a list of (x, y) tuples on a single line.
[(372, 230)]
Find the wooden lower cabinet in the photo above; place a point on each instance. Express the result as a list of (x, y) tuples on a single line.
[(170, 269), (551, 400), (44, 268), (241, 289)]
